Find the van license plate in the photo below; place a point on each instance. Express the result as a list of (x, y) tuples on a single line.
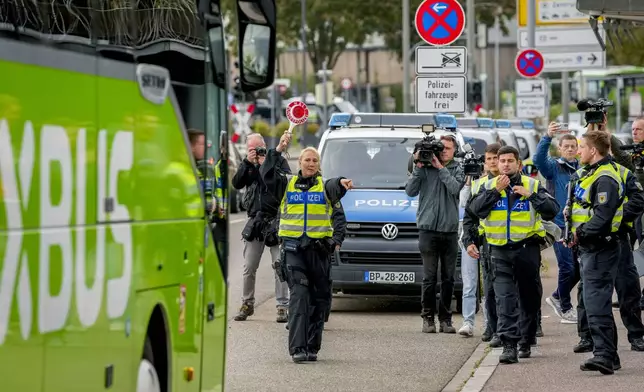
[(389, 277)]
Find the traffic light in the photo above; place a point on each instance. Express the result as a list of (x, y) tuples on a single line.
[(475, 92)]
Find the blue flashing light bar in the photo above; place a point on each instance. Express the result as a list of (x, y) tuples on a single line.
[(446, 121), (339, 120), (381, 120), (527, 124), (502, 123), (485, 122)]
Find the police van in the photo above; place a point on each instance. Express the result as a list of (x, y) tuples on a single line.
[(478, 132), (380, 254)]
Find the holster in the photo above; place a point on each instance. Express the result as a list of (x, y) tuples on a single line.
[(280, 266)]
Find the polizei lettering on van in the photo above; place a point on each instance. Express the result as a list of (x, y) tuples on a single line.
[(46, 187), (387, 203)]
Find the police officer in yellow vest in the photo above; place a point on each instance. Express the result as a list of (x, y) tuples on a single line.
[(596, 216), (511, 210), (311, 227), (627, 284), (475, 247)]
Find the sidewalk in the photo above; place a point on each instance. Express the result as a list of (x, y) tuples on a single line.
[(554, 367)]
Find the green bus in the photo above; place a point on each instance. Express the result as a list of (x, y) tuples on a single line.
[(110, 278)]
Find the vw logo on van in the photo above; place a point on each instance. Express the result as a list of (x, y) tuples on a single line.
[(389, 231)]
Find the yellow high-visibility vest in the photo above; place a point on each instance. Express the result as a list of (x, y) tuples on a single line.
[(476, 187), (513, 223), (305, 213), (581, 206), (623, 174)]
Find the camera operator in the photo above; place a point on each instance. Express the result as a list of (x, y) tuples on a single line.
[(438, 180), (475, 248), (260, 230)]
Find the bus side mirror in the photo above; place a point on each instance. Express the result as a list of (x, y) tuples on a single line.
[(256, 22), (212, 21)]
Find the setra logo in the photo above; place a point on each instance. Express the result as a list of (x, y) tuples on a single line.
[(46, 186)]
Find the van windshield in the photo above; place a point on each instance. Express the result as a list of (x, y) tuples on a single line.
[(371, 163)]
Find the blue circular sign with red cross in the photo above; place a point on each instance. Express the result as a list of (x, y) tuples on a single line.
[(529, 63), (440, 22)]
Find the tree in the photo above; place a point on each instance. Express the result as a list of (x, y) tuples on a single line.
[(330, 26), (629, 51), (391, 22)]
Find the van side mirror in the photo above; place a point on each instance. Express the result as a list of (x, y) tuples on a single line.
[(256, 22)]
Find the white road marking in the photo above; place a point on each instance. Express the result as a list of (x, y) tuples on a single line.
[(237, 221)]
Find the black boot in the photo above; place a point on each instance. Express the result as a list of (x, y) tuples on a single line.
[(598, 364), (299, 357), (539, 330), (495, 342), (487, 334), (584, 346), (637, 344), (524, 351), (617, 364), (509, 354), (312, 356)]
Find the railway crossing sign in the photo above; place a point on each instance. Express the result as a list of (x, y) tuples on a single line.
[(242, 126), (529, 63), (440, 22)]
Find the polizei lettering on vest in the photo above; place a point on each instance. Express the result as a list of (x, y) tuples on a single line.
[(57, 200)]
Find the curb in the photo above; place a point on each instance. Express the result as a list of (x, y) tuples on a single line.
[(483, 372), (470, 376)]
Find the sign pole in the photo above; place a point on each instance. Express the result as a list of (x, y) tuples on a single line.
[(532, 23), (470, 25), (405, 54), (565, 96)]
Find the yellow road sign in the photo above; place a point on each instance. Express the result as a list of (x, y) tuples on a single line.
[(552, 12)]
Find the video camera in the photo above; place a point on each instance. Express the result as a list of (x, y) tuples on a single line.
[(473, 165), (637, 155), (428, 147), (594, 110)]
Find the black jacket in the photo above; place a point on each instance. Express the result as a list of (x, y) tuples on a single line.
[(605, 199), (472, 222), (276, 181), (248, 176), (545, 204)]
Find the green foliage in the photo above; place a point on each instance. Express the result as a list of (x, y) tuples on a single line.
[(628, 52), (391, 19), (331, 25)]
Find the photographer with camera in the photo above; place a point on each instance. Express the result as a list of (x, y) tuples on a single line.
[(474, 248), (261, 228), (437, 179), (512, 209), (557, 172)]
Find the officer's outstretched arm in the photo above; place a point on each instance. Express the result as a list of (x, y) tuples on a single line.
[(339, 223), (545, 204), (482, 203), (604, 195), (635, 205), (334, 190)]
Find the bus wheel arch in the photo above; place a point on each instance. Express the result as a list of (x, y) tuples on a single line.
[(154, 375)]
